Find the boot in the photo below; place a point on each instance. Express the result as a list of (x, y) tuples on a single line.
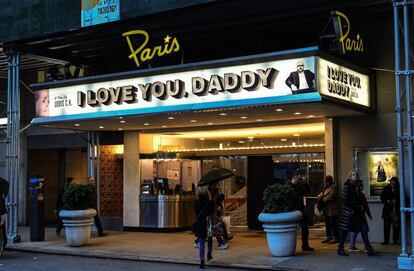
[(201, 264), (341, 251), (370, 251), (209, 257)]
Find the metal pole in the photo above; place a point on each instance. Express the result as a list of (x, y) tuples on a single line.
[(98, 186), (17, 147), (12, 148), (408, 113), (8, 143), (400, 142)]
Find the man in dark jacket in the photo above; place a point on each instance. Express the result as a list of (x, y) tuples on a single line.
[(300, 190), (390, 196), (4, 192), (96, 218), (300, 79)]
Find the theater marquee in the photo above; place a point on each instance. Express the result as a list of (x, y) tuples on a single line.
[(241, 82)]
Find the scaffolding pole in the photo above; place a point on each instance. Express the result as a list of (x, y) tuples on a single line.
[(405, 141)]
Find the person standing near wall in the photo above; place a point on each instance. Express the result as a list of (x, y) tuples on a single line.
[(328, 203), (96, 218), (4, 192), (353, 218), (390, 196), (300, 190)]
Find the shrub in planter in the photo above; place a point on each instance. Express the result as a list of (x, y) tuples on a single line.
[(280, 220), (77, 217)]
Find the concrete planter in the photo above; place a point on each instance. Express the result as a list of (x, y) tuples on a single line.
[(281, 232), (77, 226)]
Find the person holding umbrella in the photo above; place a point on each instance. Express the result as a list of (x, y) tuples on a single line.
[(204, 209)]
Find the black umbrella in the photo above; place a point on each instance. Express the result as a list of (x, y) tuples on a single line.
[(214, 176)]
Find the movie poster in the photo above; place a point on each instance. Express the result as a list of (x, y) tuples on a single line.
[(382, 166)]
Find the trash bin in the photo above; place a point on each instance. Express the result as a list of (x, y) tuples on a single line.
[(37, 208)]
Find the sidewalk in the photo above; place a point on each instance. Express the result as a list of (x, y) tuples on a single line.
[(248, 250)]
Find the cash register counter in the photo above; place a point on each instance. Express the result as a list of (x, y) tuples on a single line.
[(167, 211)]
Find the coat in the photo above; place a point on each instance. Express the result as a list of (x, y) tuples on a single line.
[(203, 210), (329, 200), (4, 192), (391, 200), (300, 190), (293, 79), (353, 217)]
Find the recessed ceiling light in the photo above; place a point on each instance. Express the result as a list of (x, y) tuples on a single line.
[(193, 121), (121, 117), (296, 134), (164, 126), (171, 118), (244, 117), (120, 129), (311, 116), (241, 142), (223, 114), (122, 121), (250, 137), (146, 124), (202, 138), (279, 110), (101, 127), (297, 113), (77, 124), (259, 120), (210, 123), (283, 139)]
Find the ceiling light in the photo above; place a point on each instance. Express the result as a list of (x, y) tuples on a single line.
[(210, 123), (122, 121), (223, 114), (202, 138), (241, 142), (250, 137), (279, 110), (311, 116), (297, 113), (296, 134), (77, 124), (259, 120), (164, 126), (283, 139), (171, 118), (101, 127), (121, 117), (244, 117), (193, 121), (120, 129), (146, 124)]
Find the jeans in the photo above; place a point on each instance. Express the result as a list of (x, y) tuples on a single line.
[(364, 235), (201, 246)]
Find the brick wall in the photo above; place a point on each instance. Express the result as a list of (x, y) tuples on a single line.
[(111, 183)]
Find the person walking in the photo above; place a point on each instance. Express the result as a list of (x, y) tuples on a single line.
[(96, 218), (59, 205), (4, 192), (353, 218), (328, 203), (367, 212), (204, 209), (219, 227), (390, 196), (300, 190)]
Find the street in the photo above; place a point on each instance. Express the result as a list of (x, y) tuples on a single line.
[(22, 261)]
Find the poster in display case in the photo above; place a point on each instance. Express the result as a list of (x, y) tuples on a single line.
[(376, 167)]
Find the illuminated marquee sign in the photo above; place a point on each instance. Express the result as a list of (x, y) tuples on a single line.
[(141, 53), (342, 83)]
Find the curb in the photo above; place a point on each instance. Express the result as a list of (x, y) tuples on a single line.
[(150, 259)]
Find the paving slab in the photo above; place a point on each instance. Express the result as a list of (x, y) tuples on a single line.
[(247, 250)]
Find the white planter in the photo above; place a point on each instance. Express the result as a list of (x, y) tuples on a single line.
[(281, 232), (77, 226)]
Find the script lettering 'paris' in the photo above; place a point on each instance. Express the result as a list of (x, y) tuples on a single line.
[(142, 54), (348, 43)]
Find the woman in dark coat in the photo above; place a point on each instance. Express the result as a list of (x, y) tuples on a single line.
[(353, 217), (328, 202), (390, 196), (204, 209)]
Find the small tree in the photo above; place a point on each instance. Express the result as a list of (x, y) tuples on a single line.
[(77, 197), (278, 198)]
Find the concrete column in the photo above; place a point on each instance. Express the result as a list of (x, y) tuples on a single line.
[(131, 179), (329, 148)]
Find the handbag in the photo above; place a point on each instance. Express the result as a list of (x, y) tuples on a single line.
[(317, 211)]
